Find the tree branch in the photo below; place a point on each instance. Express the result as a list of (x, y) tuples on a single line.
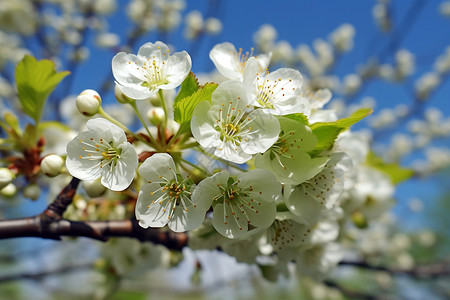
[(431, 271), (51, 225)]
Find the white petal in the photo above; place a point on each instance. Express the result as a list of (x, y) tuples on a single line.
[(179, 67), (263, 133), (302, 134), (202, 126), (226, 60), (293, 170), (158, 167), (137, 92), (230, 90), (186, 220), (107, 131), (262, 215), (82, 168), (149, 213), (121, 175), (308, 210), (229, 152), (227, 224), (265, 187), (154, 51), (206, 190), (124, 68)]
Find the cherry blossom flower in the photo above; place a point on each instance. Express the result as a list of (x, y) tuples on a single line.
[(287, 158), (232, 63), (278, 93), (141, 76), (317, 196), (165, 198), (102, 151), (229, 127), (239, 202)]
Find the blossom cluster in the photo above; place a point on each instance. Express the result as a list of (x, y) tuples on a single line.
[(258, 175)]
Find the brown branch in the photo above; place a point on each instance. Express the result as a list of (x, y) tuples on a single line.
[(430, 271), (349, 293), (51, 225)]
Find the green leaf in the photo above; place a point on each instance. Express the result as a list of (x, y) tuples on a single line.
[(395, 172), (184, 108), (35, 82), (298, 117), (188, 87), (327, 132)]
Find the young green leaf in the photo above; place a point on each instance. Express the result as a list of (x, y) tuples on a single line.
[(35, 82), (395, 172), (327, 132), (298, 117), (188, 87), (184, 108)]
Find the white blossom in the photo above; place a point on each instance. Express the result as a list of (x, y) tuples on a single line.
[(102, 151), (228, 127), (141, 76), (165, 198), (239, 202)]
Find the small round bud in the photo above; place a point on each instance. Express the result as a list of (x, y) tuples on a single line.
[(6, 177), (213, 26), (9, 190), (32, 191), (120, 96), (88, 102), (51, 165), (155, 115), (94, 188)]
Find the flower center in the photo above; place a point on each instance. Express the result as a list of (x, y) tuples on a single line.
[(174, 194), (104, 152), (233, 124), (268, 92), (154, 70), (243, 57), (237, 200), (281, 147)]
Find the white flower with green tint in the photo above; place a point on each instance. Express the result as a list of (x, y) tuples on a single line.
[(141, 76), (230, 128), (165, 198), (288, 157), (102, 152), (317, 196), (248, 200)]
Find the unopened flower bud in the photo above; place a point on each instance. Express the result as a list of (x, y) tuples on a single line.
[(32, 191), (6, 176), (94, 188), (213, 26), (155, 115), (9, 190), (120, 96), (51, 165), (88, 102)]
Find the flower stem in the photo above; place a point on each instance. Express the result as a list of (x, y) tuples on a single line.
[(163, 128), (152, 140), (103, 113), (195, 166)]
